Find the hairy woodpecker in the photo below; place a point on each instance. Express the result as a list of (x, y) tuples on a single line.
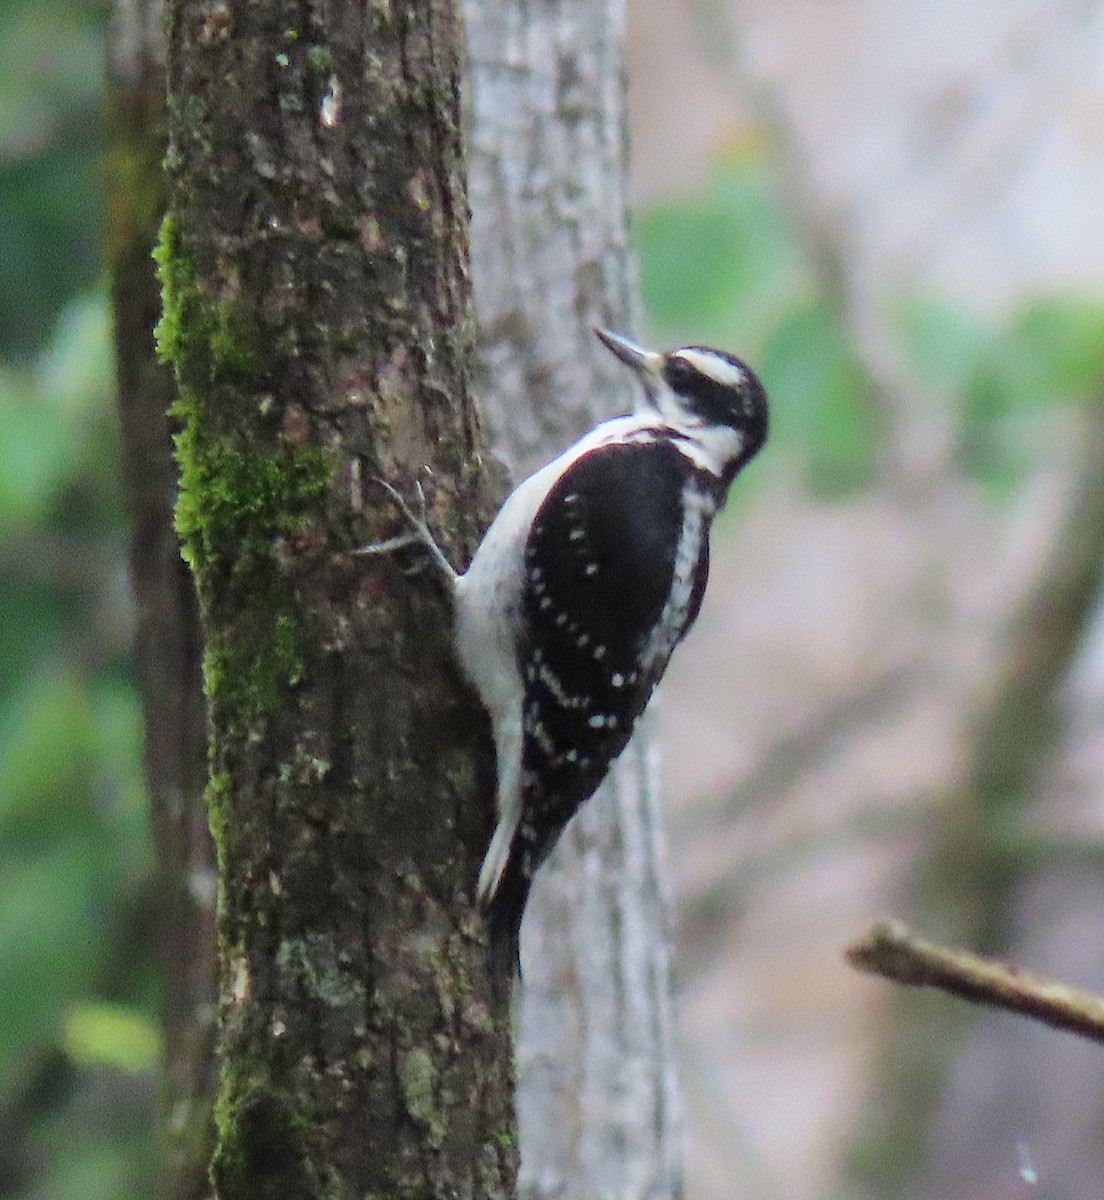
[(587, 579)]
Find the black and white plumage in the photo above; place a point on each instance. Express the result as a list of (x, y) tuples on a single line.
[(589, 576)]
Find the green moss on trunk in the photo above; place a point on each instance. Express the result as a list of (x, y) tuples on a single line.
[(235, 505)]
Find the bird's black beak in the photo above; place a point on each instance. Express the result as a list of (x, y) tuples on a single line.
[(646, 363)]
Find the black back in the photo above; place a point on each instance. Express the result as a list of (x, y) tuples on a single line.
[(601, 560)]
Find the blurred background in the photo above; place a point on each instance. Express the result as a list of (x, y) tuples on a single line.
[(894, 699)]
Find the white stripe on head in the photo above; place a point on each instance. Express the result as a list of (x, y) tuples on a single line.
[(713, 366)]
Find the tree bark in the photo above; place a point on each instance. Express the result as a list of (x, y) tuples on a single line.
[(316, 311), (167, 637), (598, 1103)]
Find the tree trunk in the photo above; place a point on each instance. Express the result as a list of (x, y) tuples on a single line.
[(598, 1102), (167, 641), (316, 311)]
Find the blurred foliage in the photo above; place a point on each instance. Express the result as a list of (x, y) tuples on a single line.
[(78, 976), (76, 945), (51, 67), (1009, 381), (722, 263), (78, 985), (724, 267), (111, 1034)]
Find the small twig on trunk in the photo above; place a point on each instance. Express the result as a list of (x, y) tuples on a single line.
[(892, 950)]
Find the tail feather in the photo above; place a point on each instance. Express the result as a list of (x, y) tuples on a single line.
[(494, 862), (504, 913)]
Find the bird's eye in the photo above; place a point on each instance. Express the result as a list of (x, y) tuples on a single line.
[(679, 373)]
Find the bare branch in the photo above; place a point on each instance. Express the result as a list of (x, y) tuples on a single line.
[(893, 951)]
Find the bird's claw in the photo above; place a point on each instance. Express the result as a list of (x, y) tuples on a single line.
[(419, 534)]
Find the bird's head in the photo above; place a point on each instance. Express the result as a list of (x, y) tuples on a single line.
[(708, 395)]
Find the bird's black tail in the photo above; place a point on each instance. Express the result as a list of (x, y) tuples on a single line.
[(504, 913)]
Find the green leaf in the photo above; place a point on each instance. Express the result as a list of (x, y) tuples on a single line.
[(37, 447), (76, 371), (52, 937), (1053, 352), (719, 266), (820, 400), (112, 1035), (942, 345), (55, 427), (47, 754)]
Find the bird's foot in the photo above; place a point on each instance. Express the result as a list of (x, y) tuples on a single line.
[(419, 535)]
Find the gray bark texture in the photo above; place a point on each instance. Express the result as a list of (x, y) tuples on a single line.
[(598, 1104), (313, 263)]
